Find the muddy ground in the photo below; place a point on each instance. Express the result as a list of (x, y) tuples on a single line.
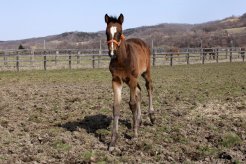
[(64, 116)]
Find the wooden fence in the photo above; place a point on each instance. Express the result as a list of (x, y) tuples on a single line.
[(198, 55), (69, 59)]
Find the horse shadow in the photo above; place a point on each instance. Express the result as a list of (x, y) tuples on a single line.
[(94, 124), (90, 123)]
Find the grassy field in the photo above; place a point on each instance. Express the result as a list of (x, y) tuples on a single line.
[(64, 116), (29, 62)]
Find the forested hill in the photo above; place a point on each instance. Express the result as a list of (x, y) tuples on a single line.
[(230, 31)]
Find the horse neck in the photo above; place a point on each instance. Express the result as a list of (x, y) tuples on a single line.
[(122, 56)]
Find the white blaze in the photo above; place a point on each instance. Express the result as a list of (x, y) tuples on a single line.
[(113, 30)]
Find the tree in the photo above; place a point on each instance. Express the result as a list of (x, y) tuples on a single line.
[(21, 47)]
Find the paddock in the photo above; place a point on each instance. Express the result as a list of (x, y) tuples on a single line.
[(64, 116)]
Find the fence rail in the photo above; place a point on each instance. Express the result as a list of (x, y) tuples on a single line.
[(98, 58)]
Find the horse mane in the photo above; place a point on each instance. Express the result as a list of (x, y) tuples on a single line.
[(113, 19)]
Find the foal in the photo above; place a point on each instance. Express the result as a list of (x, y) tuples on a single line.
[(129, 59)]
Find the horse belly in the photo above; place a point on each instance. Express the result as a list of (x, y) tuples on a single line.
[(142, 64), (142, 70)]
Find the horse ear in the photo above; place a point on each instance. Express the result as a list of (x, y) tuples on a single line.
[(106, 18), (121, 18)]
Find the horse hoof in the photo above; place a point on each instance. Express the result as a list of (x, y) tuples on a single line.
[(140, 122), (152, 118)]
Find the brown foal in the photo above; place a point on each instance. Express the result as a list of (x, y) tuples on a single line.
[(129, 59)]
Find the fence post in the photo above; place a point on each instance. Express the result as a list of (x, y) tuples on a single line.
[(57, 53), (93, 61), (5, 58), (242, 52), (153, 52), (188, 57), (17, 62), (201, 53), (45, 66), (230, 55), (226, 52), (203, 56), (32, 57), (78, 58), (217, 55), (70, 61), (100, 53), (171, 59)]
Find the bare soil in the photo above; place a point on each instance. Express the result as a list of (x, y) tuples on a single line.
[(63, 116)]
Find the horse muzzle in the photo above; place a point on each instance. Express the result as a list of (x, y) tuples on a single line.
[(112, 54)]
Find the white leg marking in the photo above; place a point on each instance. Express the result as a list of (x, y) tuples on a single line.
[(116, 119), (118, 93), (151, 109)]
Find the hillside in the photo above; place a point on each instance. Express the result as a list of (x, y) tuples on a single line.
[(230, 31)]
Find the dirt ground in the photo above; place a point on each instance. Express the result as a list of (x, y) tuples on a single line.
[(65, 116)]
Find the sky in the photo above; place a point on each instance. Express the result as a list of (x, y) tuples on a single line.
[(38, 18)]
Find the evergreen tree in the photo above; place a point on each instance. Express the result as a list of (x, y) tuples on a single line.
[(21, 47)]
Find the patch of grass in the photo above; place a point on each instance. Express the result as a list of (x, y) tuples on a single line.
[(164, 128), (2, 158), (147, 146), (180, 139), (237, 162), (230, 139), (61, 145), (105, 111), (35, 118), (103, 157), (205, 82), (103, 132), (58, 76), (101, 162), (88, 156), (176, 128), (56, 107), (207, 151), (54, 131)]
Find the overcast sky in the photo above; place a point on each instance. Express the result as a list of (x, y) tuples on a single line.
[(21, 19)]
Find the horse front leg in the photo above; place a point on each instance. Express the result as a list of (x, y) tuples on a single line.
[(117, 87)]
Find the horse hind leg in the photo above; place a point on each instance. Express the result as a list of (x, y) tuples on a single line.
[(135, 105), (149, 87), (139, 98)]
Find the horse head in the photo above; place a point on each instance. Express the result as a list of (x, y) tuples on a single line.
[(114, 33)]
